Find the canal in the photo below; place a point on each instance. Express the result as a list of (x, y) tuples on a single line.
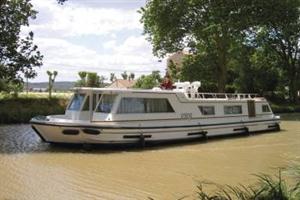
[(30, 169)]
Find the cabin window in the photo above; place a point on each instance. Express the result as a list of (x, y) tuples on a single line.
[(132, 105), (76, 102), (106, 103), (158, 105), (228, 110), (144, 105), (86, 104), (266, 108), (207, 110), (96, 98)]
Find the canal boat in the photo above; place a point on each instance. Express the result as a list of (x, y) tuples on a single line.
[(115, 116)]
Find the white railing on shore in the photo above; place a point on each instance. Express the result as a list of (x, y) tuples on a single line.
[(226, 96)]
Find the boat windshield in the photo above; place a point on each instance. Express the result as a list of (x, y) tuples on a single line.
[(76, 102), (106, 103)]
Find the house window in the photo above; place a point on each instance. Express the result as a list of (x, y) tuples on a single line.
[(106, 103), (144, 105), (266, 108), (229, 110), (207, 110), (76, 102)]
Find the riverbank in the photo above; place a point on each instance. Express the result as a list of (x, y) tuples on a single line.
[(285, 107), (23, 108)]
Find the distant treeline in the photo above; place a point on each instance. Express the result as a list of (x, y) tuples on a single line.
[(58, 86)]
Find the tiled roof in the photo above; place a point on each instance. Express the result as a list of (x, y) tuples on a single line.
[(120, 83)]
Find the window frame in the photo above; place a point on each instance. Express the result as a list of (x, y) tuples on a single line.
[(112, 104), (81, 104), (265, 106), (226, 106), (202, 113), (146, 101)]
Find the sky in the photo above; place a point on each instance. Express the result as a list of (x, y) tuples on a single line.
[(103, 36)]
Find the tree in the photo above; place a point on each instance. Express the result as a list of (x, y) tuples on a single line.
[(195, 67), (200, 25), (93, 80), (112, 77), (148, 81), (131, 76), (279, 33), (17, 55), (124, 75), (174, 71), (82, 75), (52, 76), (257, 70), (82, 81), (89, 79)]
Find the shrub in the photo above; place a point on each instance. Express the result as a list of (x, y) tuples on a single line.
[(21, 110), (267, 188)]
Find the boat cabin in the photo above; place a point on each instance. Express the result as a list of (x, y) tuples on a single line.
[(107, 104)]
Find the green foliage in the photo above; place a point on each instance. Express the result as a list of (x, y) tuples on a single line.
[(22, 109), (205, 27), (124, 75), (174, 71), (112, 77), (82, 81), (13, 87), (89, 79), (274, 28), (131, 76), (267, 188), (52, 76), (257, 71), (148, 81), (195, 67), (93, 80), (249, 46), (18, 54)]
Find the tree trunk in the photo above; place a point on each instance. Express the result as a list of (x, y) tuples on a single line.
[(222, 74), (222, 49), (293, 93), (50, 87)]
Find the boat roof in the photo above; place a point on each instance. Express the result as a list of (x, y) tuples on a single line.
[(202, 96), (123, 90)]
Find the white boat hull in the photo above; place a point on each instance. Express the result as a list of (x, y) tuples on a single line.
[(106, 116), (110, 134)]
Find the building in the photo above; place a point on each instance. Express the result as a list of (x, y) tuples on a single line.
[(120, 83), (38, 89), (175, 62)]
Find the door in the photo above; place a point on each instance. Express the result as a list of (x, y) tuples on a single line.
[(251, 108)]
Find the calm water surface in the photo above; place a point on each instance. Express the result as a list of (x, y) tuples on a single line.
[(30, 169)]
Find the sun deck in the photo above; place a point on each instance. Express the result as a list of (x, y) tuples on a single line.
[(190, 95)]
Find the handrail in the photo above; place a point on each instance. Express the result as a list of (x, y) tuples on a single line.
[(226, 96)]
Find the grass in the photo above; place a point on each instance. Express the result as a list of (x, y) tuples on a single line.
[(266, 188), (23, 108)]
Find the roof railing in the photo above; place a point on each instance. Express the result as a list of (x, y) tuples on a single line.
[(226, 96)]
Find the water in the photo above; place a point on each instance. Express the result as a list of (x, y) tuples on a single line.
[(30, 169)]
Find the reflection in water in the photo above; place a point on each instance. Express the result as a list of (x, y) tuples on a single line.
[(30, 169)]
